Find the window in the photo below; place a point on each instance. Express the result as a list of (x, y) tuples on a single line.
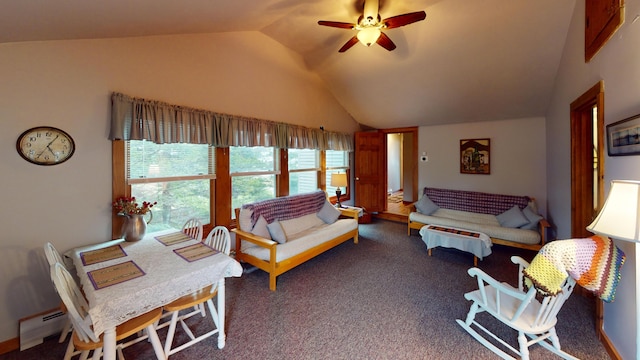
[(303, 170), (337, 162), (253, 173), (176, 176)]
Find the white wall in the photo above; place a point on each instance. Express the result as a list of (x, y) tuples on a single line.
[(618, 65), (517, 158), (394, 162), (67, 84)]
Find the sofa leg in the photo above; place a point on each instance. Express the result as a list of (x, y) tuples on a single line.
[(272, 282)]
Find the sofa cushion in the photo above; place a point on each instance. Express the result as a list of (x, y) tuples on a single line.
[(491, 227), (512, 218), (532, 218), (292, 227), (277, 232), (260, 228), (244, 219), (329, 214), (305, 240), (426, 206)]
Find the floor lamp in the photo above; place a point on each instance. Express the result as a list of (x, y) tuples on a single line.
[(338, 180), (620, 219)]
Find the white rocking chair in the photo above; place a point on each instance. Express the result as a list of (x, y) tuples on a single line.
[(519, 310)]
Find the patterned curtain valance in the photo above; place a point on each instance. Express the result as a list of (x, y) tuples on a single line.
[(140, 119)]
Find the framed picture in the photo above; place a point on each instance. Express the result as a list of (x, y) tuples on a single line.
[(475, 156), (623, 137)]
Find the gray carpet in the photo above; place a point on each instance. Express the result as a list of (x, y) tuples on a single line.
[(384, 298)]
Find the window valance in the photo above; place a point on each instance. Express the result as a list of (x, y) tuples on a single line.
[(140, 119)]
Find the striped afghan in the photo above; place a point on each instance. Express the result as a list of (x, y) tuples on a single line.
[(593, 262), (287, 207)]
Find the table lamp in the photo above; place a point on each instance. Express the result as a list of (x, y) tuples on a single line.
[(338, 180), (619, 216)]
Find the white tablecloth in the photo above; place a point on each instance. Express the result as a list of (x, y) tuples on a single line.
[(479, 247), (167, 277)]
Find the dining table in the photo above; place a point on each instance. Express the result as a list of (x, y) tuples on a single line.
[(122, 280)]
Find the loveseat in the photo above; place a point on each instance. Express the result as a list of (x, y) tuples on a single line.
[(507, 219), (279, 234)]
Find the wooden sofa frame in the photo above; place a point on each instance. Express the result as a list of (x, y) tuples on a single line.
[(277, 268), (542, 228)]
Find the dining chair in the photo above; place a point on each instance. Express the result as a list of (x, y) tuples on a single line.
[(53, 257), (220, 240), (193, 228), (83, 338), (518, 308)]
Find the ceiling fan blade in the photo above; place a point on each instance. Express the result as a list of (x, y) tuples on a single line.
[(404, 19), (385, 42), (349, 44), (336, 24)]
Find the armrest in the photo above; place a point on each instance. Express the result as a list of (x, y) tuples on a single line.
[(484, 278), (254, 239), (352, 213), (544, 224)]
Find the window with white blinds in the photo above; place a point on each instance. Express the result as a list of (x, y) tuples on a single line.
[(176, 176)]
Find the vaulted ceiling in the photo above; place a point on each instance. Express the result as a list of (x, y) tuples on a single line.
[(470, 60)]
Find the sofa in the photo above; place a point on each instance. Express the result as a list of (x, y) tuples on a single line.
[(507, 219), (276, 235)]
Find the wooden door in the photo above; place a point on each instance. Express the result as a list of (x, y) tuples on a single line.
[(587, 154), (370, 165)]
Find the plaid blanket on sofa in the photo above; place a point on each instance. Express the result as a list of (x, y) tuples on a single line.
[(287, 207), (474, 201), (594, 263)]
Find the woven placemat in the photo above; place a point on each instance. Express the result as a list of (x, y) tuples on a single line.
[(100, 255), (195, 252), (114, 274), (173, 238)]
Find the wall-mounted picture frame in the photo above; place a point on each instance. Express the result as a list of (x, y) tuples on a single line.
[(623, 137), (475, 156)]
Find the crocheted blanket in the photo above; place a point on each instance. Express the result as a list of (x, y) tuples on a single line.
[(287, 207), (594, 263)]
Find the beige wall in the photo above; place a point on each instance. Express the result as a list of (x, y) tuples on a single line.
[(67, 84), (618, 65), (517, 158)]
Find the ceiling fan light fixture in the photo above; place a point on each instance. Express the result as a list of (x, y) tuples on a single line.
[(368, 36)]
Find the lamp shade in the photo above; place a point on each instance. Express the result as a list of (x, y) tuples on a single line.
[(339, 180), (619, 216), (368, 36)]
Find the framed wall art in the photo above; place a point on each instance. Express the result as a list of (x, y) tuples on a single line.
[(623, 137), (475, 156)]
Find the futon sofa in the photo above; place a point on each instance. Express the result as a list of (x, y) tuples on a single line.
[(279, 234), (507, 219)]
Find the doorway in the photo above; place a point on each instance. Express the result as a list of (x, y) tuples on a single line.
[(401, 172)]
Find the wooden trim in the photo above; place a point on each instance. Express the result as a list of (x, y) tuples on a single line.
[(604, 339), (282, 178), (222, 186), (119, 185), (9, 345)]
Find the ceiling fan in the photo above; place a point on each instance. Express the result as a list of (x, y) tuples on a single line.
[(370, 26)]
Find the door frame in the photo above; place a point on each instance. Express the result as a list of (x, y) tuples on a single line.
[(414, 161)]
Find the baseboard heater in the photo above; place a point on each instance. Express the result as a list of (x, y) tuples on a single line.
[(34, 329)]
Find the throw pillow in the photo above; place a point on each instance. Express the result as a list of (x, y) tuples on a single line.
[(329, 214), (532, 217), (512, 218), (260, 228), (277, 232), (426, 206)]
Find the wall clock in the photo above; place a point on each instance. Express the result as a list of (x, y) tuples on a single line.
[(45, 145)]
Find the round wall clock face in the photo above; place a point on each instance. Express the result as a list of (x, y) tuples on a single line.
[(45, 145)]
